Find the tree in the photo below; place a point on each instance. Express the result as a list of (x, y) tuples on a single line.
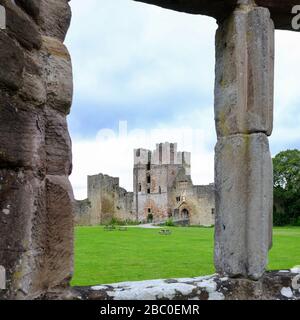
[(287, 187)]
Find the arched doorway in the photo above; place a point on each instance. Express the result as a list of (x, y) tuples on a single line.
[(185, 213)]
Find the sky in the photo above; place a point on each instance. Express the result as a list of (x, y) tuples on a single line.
[(144, 75)]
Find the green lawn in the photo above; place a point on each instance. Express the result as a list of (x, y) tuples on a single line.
[(139, 254)]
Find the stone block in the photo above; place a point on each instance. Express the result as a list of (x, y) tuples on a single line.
[(32, 7), (55, 18), (244, 194), (245, 72), (58, 268), (12, 63), (57, 74), (21, 135), (58, 143), (33, 90), (21, 27), (22, 213), (2, 278)]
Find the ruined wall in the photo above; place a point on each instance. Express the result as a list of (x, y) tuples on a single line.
[(124, 206), (198, 200), (154, 174), (160, 178), (36, 198), (106, 200), (82, 217), (205, 196)]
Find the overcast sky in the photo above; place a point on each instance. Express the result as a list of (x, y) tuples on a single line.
[(145, 75)]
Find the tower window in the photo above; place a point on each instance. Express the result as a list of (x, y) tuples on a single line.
[(159, 190), (149, 210), (148, 179), (178, 199), (140, 187), (148, 191), (212, 211), (148, 166)]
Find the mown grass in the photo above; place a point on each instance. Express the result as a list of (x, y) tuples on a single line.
[(139, 254)]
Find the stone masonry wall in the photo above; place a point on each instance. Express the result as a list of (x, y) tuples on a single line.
[(82, 207), (106, 200), (36, 198)]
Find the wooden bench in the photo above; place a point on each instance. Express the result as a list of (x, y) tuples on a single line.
[(109, 228), (165, 232)]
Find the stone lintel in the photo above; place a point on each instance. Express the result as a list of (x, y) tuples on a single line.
[(281, 10)]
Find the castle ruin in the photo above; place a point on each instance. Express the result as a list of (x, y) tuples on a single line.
[(36, 198), (162, 189)]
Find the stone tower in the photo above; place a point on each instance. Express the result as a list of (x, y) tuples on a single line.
[(154, 175)]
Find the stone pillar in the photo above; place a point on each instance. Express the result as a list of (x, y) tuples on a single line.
[(36, 198), (244, 119)]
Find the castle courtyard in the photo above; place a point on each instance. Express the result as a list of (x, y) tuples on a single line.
[(140, 254)]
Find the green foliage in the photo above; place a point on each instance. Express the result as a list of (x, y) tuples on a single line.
[(170, 223), (117, 222), (287, 187), (140, 254)]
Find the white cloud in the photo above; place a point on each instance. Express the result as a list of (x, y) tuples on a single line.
[(112, 153), (123, 51)]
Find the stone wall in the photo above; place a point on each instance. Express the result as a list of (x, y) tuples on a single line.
[(82, 217), (161, 177), (36, 198), (276, 285), (206, 205), (106, 200)]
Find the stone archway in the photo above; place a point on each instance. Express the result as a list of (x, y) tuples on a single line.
[(36, 198), (185, 213)]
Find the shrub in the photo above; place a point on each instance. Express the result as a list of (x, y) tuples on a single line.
[(296, 222), (117, 222), (170, 223)]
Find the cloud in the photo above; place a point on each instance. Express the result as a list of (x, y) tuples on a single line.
[(111, 152), (154, 68), (132, 60)]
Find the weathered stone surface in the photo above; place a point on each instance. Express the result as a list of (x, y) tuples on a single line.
[(55, 18), (58, 267), (2, 278), (12, 63), (21, 27), (220, 9), (22, 207), (33, 64), (214, 287), (2, 18), (36, 213), (58, 144), (36, 240), (57, 74), (33, 90), (245, 73), (244, 193), (32, 7), (21, 135)]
